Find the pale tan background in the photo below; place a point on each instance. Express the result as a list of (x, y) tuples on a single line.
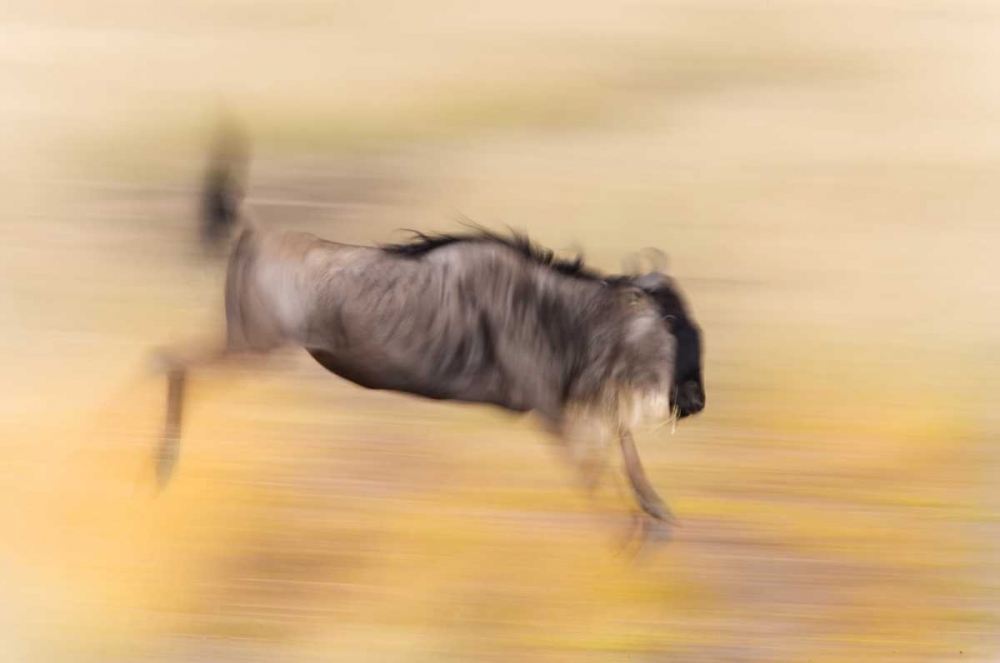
[(823, 175)]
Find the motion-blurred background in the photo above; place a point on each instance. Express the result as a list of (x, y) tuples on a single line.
[(823, 176)]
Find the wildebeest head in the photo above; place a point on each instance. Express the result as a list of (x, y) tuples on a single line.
[(687, 393)]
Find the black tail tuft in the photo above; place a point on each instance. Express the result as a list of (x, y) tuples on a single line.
[(224, 186)]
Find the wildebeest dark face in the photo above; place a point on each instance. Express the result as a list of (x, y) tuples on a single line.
[(687, 394)]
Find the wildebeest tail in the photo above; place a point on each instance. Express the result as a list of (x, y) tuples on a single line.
[(225, 182)]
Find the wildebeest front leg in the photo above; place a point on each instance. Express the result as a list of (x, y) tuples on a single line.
[(588, 459), (648, 500), (578, 449)]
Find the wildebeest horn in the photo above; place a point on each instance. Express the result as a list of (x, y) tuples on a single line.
[(575, 250), (657, 259), (630, 264)]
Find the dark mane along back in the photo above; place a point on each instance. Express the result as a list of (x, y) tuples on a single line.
[(424, 243)]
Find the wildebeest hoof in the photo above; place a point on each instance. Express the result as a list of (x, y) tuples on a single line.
[(659, 512), (645, 530), (658, 531), (165, 462)]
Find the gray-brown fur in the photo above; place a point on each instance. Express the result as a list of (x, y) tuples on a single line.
[(476, 318)]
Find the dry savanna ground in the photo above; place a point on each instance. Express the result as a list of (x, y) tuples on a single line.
[(822, 175)]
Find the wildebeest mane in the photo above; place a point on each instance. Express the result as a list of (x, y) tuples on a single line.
[(424, 243)]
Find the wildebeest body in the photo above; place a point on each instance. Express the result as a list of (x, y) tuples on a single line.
[(475, 322), (477, 318)]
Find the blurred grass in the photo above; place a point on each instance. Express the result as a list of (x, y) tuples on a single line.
[(274, 535)]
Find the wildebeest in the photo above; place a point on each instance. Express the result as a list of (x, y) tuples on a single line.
[(476, 317)]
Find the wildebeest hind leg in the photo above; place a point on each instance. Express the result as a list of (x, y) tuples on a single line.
[(176, 365), (168, 450)]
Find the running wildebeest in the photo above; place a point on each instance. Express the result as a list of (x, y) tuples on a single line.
[(476, 317)]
